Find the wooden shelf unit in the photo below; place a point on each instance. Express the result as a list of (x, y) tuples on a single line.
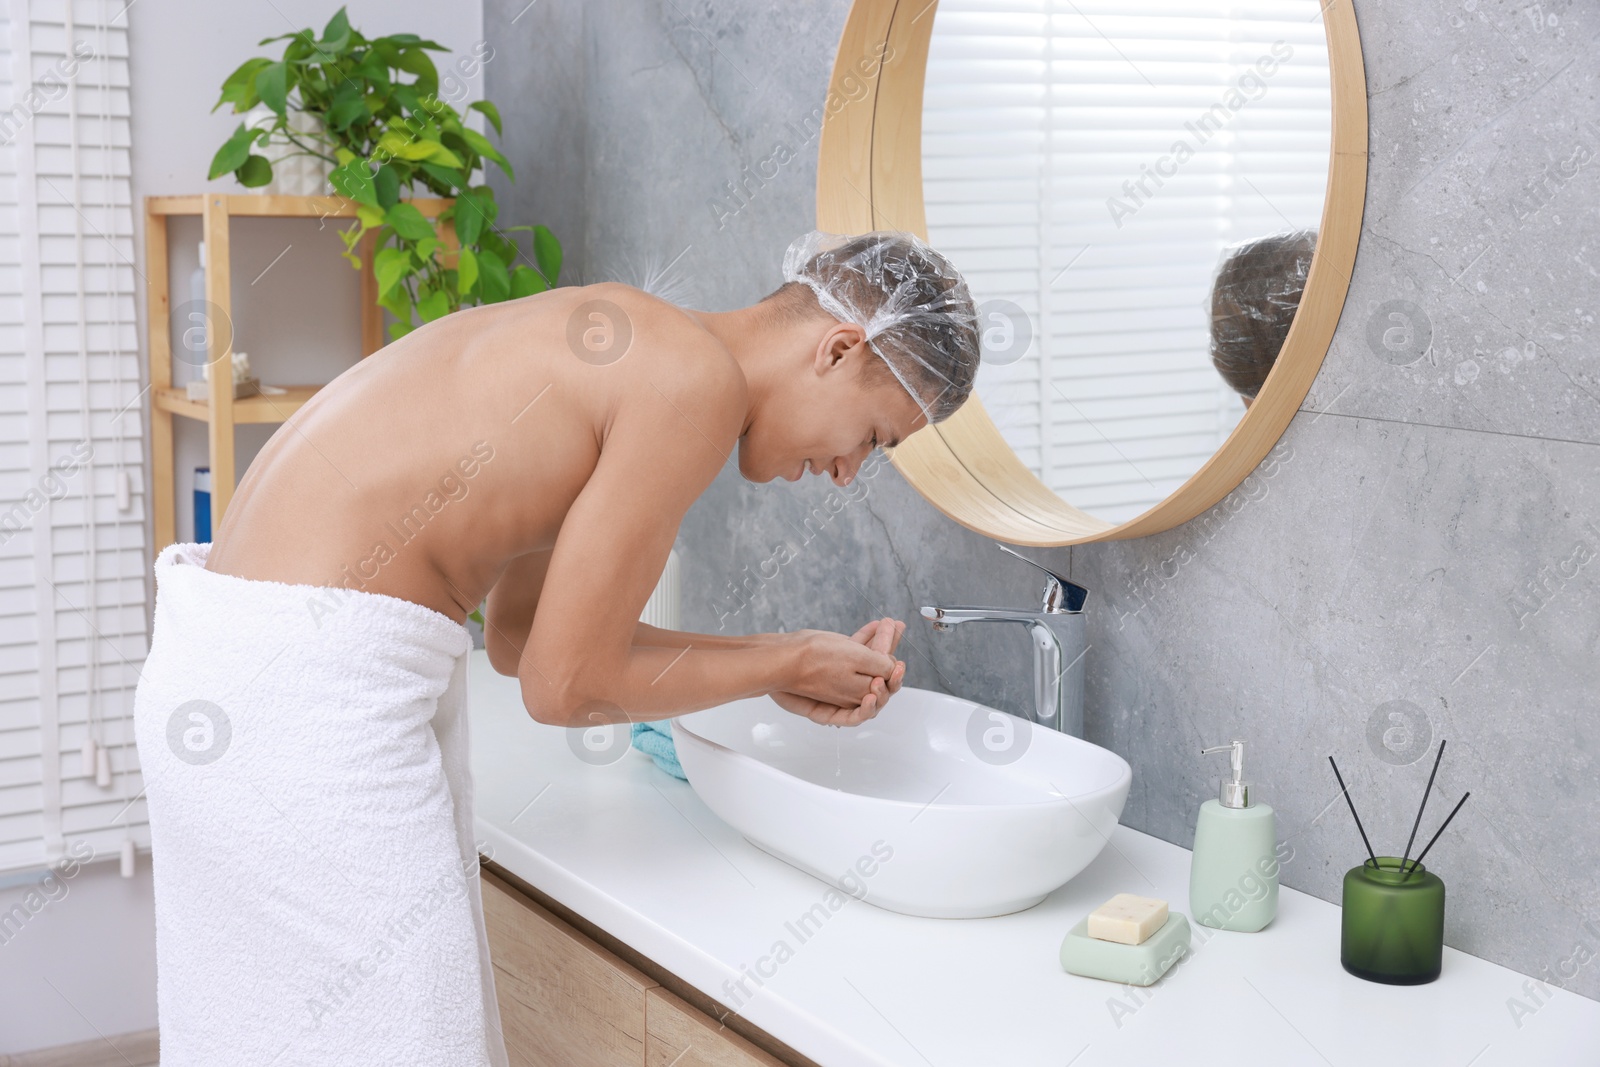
[(222, 413)]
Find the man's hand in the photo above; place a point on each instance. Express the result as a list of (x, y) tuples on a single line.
[(879, 635)]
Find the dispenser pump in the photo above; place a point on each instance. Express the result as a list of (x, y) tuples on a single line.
[(1235, 792), (1231, 835)]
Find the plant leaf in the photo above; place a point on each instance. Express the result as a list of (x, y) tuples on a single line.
[(389, 266), (494, 283), (407, 97), (353, 180), (336, 34), (272, 83), (491, 112), (525, 281), (415, 61), (386, 185), (444, 175), (399, 329), (372, 68), (436, 305), (496, 242), (483, 196), (232, 154), (413, 39), (392, 142), (480, 144), (442, 155), (466, 271), (299, 48), (345, 112), (408, 222), (547, 252), (240, 87), (415, 150), (255, 172), (469, 217), (398, 303)]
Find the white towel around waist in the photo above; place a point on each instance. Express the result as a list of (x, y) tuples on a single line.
[(310, 805)]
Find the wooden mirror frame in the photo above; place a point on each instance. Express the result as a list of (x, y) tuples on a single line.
[(869, 177)]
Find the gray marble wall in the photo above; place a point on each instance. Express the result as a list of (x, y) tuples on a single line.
[(1417, 561)]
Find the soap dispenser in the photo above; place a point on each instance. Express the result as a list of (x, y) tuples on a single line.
[(1233, 875)]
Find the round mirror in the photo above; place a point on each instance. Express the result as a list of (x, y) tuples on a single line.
[(1156, 209)]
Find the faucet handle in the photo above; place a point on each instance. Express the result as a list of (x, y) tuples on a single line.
[(1060, 594)]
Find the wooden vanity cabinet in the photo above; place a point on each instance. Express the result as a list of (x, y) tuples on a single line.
[(562, 999), (568, 1001), (677, 1035)]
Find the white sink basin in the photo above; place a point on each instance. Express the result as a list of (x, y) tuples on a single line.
[(937, 807)]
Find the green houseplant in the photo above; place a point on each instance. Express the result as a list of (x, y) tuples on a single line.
[(388, 135)]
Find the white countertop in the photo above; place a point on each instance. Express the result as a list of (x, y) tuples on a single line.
[(634, 851)]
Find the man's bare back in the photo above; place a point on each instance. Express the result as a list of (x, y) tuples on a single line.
[(422, 471)]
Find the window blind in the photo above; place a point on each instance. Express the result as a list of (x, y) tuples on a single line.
[(1052, 178), (73, 555)]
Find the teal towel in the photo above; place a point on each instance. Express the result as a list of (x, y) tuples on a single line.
[(654, 739)]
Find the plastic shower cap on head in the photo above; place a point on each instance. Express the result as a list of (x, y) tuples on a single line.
[(912, 303), (1254, 297)]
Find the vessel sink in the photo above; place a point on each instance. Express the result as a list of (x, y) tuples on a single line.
[(937, 807)]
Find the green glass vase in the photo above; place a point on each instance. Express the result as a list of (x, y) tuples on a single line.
[(1393, 924)]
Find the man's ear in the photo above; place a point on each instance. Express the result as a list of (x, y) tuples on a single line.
[(844, 345)]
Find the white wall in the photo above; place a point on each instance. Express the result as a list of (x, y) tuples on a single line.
[(300, 321)]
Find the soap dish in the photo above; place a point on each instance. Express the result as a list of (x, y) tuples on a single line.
[(1141, 965)]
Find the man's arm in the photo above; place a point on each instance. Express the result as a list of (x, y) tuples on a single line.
[(508, 616), (656, 637), (508, 610), (580, 663)]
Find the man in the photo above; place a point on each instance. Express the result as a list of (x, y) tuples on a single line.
[(537, 457)]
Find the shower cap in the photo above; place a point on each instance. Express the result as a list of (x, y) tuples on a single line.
[(1254, 296), (913, 304)]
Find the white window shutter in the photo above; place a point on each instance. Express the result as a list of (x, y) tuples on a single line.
[(73, 620)]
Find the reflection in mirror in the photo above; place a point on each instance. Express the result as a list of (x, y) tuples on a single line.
[(1094, 168)]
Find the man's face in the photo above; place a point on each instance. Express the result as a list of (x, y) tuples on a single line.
[(830, 415)]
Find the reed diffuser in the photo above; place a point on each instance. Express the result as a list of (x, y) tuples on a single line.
[(1393, 923)]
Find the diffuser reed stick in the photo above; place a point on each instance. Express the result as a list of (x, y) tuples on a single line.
[(1413, 838), (1353, 814), (1418, 861)]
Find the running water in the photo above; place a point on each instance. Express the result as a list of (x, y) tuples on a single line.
[(838, 753)]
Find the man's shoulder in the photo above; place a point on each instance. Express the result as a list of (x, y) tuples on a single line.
[(677, 350), (644, 314)]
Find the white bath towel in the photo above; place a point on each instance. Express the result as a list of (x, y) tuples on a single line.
[(316, 881)]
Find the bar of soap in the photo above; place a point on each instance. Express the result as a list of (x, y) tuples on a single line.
[(1127, 919)]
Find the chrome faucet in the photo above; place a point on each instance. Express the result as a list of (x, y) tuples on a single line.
[(1059, 644)]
